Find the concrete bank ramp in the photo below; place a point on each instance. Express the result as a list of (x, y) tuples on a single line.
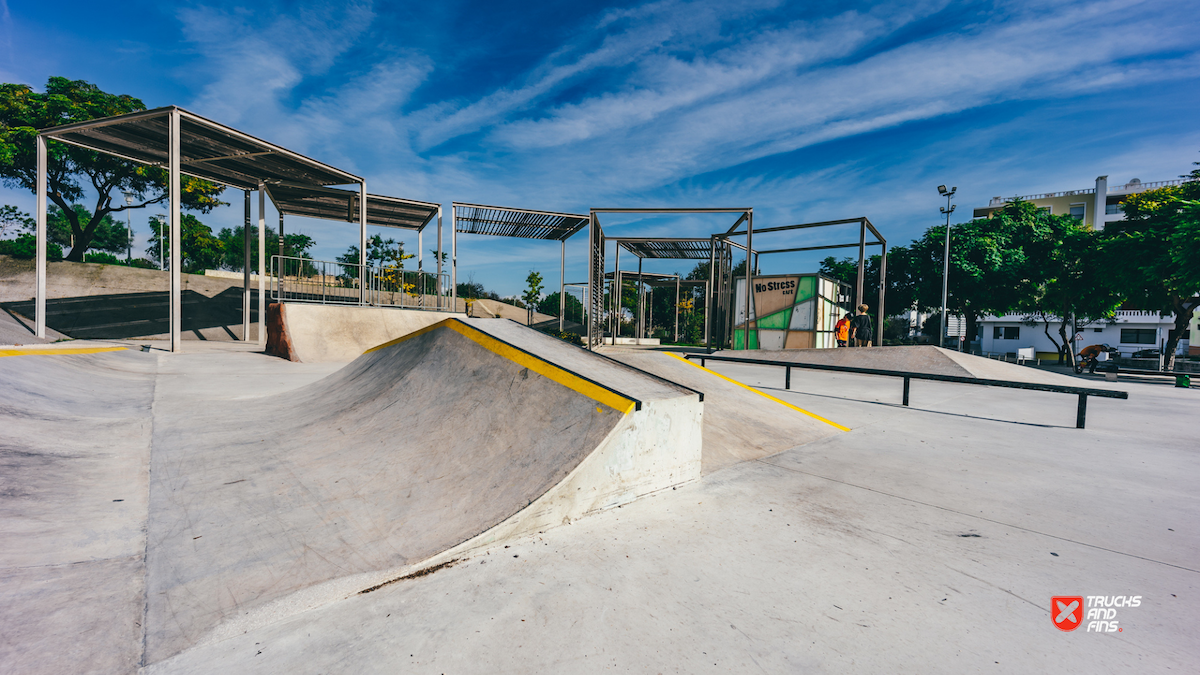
[(448, 438), (915, 358), (339, 334), (740, 424)]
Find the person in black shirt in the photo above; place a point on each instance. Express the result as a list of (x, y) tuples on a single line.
[(860, 328)]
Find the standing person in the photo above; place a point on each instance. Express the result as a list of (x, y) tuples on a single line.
[(841, 331), (860, 328)]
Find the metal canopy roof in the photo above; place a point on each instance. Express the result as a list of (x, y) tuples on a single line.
[(508, 222), (208, 150), (678, 249), (334, 204)]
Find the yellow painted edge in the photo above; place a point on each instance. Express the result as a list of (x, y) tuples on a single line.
[(748, 387), (54, 352), (537, 365)]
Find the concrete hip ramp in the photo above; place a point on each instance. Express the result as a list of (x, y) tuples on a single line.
[(448, 438)]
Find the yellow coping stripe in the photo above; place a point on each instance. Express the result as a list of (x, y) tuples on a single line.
[(744, 386), (540, 366), (32, 351)]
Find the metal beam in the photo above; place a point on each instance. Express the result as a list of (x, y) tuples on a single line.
[(654, 210), (40, 293), (562, 284), (362, 242), (815, 248), (246, 271), (262, 264), (176, 226), (862, 256), (453, 262), (802, 226), (749, 277)]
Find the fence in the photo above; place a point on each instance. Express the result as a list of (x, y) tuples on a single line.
[(336, 283)]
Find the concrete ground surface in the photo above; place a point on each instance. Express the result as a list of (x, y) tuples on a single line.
[(926, 539)]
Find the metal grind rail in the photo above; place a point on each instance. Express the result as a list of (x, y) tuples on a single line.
[(1082, 392)]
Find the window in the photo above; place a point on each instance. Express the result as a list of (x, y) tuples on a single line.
[(1139, 336), (1097, 330), (1077, 211), (1045, 209), (1006, 333)]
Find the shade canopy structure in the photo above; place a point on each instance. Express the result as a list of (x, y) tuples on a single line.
[(669, 249), (686, 248), (864, 226), (342, 205), (505, 221), (207, 149), (186, 143)]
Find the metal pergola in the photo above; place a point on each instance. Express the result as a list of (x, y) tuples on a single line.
[(655, 280), (862, 244), (656, 247), (502, 221), (187, 143), (343, 205)]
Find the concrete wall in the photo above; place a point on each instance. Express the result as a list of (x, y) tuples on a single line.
[(333, 333)]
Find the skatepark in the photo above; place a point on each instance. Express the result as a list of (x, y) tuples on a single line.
[(357, 476)]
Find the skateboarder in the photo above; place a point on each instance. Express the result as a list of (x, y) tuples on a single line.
[(860, 328)]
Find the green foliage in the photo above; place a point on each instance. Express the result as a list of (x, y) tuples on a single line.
[(474, 290), (102, 257), (13, 221), (109, 235), (234, 258), (23, 111), (24, 247), (533, 289), (1153, 253), (200, 250), (550, 305)]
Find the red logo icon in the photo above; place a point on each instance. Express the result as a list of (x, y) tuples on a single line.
[(1067, 612)]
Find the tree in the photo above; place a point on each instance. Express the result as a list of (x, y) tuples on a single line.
[(550, 305), (200, 249), (23, 112), (295, 245), (1152, 254), (109, 235), (533, 292)]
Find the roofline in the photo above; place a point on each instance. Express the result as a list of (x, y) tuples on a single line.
[(55, 132)]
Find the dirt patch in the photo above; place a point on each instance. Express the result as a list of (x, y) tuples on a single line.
[(419, 573)]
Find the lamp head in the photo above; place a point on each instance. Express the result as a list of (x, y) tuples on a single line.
[(941, 189)]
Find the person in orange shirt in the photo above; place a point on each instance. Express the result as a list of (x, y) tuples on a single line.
[(841, 331)]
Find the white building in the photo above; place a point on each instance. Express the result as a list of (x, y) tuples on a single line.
[(1094, 206), (1130, 331)]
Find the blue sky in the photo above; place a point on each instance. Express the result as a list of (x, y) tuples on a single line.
[(804, 111)]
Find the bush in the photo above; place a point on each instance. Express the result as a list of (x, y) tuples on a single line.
[(141, 263), (102, 257), (24, 247)]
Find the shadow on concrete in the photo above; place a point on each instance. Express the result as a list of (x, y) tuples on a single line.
[(127, 315)]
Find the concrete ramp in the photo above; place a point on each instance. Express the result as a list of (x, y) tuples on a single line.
[(339, 334), (915, 358), (740, 423), (445, 439)]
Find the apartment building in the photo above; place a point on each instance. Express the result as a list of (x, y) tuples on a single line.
[(1094, 206)]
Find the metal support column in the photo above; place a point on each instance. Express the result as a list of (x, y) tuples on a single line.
[(882, 292), (453, 260), (40, 301), (439, 257), (262, 264), (641, 306), (614, 320), (420, 271), (246, 271), (175, 119), (862, 257), (677, 308), (708, 293), (562, 284), (362, 242), (749, 276)]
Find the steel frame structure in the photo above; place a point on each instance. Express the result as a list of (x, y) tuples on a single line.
[(504, 221), (861, 244), (382, 211), (187, 143), (597, 252)]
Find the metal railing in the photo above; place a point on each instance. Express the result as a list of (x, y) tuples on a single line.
[(1083, 392), (336, 283)]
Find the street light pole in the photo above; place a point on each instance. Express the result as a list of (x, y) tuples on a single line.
[(129, 227), (947, 210)]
